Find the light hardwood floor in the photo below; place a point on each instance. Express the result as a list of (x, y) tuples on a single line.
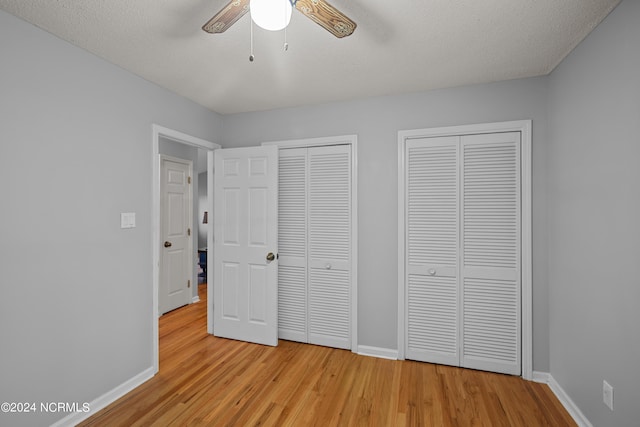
[(205, 380)]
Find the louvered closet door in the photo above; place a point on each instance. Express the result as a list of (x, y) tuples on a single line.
[(329, 246), (432, 250), (463, 279), (314, 238), (292, 245), (491, 280)]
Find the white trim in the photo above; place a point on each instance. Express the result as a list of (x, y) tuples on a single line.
[(563, 397), (195, 299), (401, 245), (210, 248), (568, 404), (540, 377), (157, 133), (351, 140), (524, 127), (106, 399), (382, 353), (315, 142), (183, 138), (526, 248)]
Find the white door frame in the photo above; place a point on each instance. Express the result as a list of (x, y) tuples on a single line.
[(351, 140), (524, 127), (182, 138)]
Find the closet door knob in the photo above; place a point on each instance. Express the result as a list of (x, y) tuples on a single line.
[(167, 244), (328, 266), (432, 272), (270, 256)]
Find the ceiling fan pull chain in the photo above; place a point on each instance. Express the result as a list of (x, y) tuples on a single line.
[(251, 57), (286, 45)]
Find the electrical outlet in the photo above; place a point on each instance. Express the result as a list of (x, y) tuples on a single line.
[(607, 394)]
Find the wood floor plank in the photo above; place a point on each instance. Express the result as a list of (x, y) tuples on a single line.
[(209, 381)]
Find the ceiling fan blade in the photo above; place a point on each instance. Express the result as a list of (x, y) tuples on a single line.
[(327, 16), (229, 14)]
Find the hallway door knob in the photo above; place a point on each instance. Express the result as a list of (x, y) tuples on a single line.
[(167, 244), (270, 256)]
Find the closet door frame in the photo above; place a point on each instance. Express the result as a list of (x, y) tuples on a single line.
[(352, 141), (524, 127)]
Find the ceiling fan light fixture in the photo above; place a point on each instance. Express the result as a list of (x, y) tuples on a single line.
[(272, 15)]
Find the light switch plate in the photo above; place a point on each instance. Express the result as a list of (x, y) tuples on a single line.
[(127, 220)]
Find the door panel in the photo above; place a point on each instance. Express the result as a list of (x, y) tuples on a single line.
[(329, 307), (329, 261), (292, 302), (245, 224), (432, 249), (432, 327), (258, 277), (330, 203), (230, 221), (229, 288), (292, 245), (490, 176), (257, 216)]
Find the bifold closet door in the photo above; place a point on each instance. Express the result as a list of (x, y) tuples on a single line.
[(314, 279), (432, 206), (292, 245), (329, 286), (490, 252), (463, 251)]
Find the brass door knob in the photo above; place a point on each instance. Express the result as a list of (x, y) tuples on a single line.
[(167, 244), (270, 256)]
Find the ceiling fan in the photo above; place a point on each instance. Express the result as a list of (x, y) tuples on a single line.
[(319, 11)]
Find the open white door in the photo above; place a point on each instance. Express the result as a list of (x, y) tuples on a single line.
[(245, 244)]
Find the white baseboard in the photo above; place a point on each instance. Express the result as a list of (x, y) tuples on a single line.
[(540, 377), (195, 300), (383, 353), (563, 397), (106, 399)]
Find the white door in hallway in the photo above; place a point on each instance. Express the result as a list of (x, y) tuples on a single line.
[(175, 220), (246, 244)]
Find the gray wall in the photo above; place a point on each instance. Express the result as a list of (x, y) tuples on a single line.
[(377, 121), (75, 151), (594, 214), (186, 152)]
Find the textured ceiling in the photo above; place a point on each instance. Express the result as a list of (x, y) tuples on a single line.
[(398, 47)]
